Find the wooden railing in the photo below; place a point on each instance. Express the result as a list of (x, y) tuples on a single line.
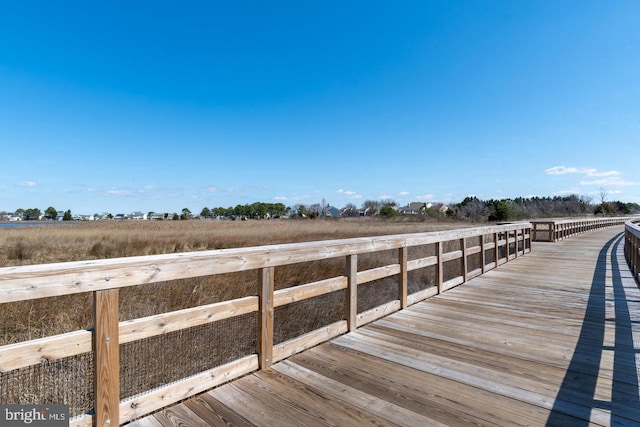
[(632, 247), (476, 250), (554, 230)]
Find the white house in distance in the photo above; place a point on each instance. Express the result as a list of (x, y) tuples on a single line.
[(418, 208)]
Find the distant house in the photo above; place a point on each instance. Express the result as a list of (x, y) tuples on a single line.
[(419, 208), (139, 215), (414, 208), (85, 217), (442, 207), (332, 211)]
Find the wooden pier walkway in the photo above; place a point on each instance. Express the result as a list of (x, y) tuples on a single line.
[(552, 338)]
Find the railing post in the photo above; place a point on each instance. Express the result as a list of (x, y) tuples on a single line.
[(265, 343), (463, 246), (440, 277), (403, 285), (352, 292), (636, 257), (107, 358), (496, 249), (483, 258)]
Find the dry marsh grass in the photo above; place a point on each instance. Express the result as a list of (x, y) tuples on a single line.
[(98, 240), (111, 239)]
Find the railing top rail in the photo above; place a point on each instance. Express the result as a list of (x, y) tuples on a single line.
[(47, 280), (633, 226), (574, 220)]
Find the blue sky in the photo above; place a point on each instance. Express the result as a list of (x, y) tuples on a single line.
[(157, 106)]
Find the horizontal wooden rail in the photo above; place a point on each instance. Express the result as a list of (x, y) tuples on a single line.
[(558, 229), (632, 246), (473, 251)]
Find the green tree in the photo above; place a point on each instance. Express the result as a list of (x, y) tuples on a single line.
[(205, 212), (387, 211), (501, 211), (51, 213), (32, 214), (67, 215), (301, 210), (186, 213), (259, 210), (605, 209)]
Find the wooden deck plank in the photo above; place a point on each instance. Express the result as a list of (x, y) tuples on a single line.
[(294, 403), (450, 403), (548, 339), (215, 413)]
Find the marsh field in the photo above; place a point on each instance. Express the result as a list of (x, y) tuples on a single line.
[(110, 239)]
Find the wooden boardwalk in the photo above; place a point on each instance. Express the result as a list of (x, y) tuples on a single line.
[(552, 338)]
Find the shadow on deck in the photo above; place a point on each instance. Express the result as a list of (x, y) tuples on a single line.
[(611, 285)]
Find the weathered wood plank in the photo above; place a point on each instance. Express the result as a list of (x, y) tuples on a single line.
[(378, 312), (378, 273), (214, 413), (266, 279), (308, 340), (107, 355), (309, 290), (380, 407), (19, 355), (351, 304), (146, 327)]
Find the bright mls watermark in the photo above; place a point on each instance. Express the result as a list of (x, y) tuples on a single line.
[(34, 415)]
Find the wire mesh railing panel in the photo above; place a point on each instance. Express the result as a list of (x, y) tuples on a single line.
[(451, 269), (298, 318), (153, 362), (376, 293), (474, 262), (422, 278), (67, 381), (421, 251)]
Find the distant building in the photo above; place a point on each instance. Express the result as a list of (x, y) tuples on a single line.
[(332, 211), (414, 208)]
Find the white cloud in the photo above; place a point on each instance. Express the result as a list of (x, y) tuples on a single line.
[(349, 194), (607, 179), (614, 181), (425, 197), (292, 198), (403, 193), (564, 170), (117, 192), (210, 189), (560, 170), (27, 184)]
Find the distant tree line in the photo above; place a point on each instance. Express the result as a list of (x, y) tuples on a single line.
[(471, 209), (255, 210), (520, 208)]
